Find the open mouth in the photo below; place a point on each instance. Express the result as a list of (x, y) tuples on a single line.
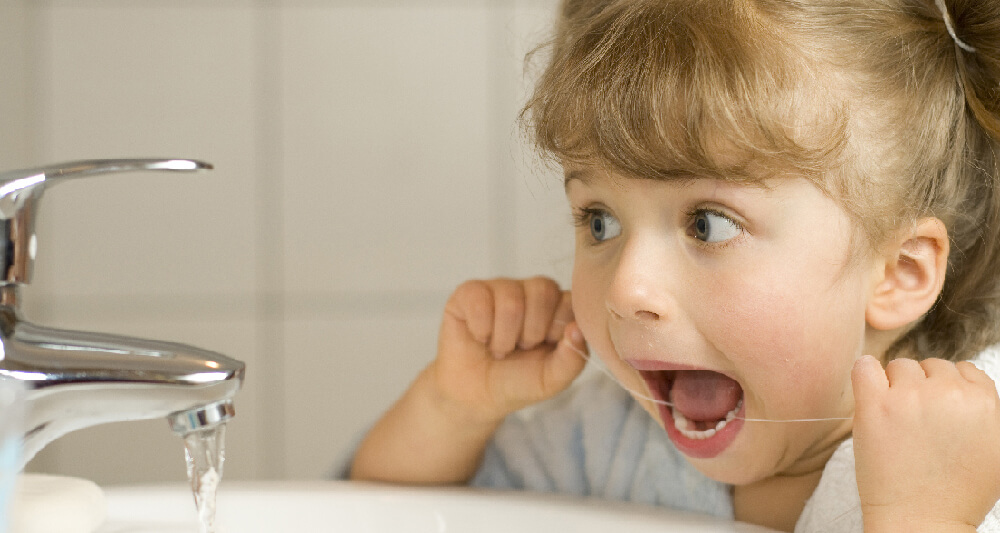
[(704, 411)]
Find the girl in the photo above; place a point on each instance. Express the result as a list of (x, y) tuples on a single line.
[(772, 197)]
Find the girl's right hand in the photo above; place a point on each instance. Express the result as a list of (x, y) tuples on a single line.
[(505, 344), (925, 437)]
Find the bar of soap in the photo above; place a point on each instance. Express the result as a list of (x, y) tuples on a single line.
[(56, 504)]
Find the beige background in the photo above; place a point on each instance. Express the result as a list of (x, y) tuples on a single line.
[(368, 160)]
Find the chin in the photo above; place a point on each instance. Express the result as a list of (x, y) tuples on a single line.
[(740, 463), (732, 470)]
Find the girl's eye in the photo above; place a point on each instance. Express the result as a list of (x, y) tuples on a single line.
[(709, 226), (602, 225)]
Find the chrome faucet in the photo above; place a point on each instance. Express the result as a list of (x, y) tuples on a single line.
[(77, 379)]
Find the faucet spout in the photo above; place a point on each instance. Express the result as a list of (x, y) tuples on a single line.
[(80, 379), (202, 418)]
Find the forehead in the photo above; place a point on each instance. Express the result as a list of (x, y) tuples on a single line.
[(749, 175)]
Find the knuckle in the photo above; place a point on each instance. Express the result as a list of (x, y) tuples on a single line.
[(542, 290), (472, 301), (472, 289), (511, 303), (970, 369), (903, 367), (932, 363), (955, 396), (534, 333), (543, 282), (968, 366), (471, 284), (902, 363)]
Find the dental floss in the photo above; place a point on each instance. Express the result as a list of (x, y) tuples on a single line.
[(602, 368)]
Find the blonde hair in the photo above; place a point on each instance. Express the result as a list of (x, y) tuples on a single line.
[(874, 101)]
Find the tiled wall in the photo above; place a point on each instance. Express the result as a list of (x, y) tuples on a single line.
[(367, 161)]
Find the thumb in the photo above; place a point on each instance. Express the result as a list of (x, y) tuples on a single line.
[(567, 360), (868, 380)]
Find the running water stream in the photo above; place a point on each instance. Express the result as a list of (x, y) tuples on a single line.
[(204, 451)]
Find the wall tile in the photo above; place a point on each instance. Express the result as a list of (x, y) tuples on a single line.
[(341, 373), (15, 146), (542, 217), (142, 80), (386, 146)]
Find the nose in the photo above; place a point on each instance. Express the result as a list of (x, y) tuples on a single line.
[(641, 284)]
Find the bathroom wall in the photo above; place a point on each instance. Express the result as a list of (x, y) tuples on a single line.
[(367, 161), (14, 96)]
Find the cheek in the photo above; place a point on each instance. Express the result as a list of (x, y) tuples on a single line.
[(588, 306), (786, 337)]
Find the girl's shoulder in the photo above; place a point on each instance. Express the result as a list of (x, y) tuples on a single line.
[(835, 504), (988, 361)]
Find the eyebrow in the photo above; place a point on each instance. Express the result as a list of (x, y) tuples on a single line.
[(587, 176), (578, 175)]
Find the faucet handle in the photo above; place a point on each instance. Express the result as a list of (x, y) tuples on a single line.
[(21, 190)]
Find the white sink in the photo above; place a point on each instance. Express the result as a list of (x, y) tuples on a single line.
[(351, 507)]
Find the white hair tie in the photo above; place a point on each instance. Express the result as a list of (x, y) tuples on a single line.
[(951, 27)]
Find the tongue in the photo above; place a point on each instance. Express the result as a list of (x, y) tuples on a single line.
[(704, 395)]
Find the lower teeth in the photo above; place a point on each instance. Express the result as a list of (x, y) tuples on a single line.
[(682, 423)]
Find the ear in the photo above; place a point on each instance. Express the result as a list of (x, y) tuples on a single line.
[(914, 270)]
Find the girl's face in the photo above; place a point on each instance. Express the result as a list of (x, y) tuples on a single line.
[(730, 301)]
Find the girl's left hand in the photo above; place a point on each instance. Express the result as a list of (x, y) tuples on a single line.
[(926, 444)]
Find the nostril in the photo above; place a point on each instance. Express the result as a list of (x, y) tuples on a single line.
[(641, 315)]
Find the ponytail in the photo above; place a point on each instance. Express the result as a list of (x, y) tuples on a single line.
[(976, 25)]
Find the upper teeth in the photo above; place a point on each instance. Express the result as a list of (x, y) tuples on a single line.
[(681, 423)]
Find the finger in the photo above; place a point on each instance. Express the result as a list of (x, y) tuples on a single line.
[(456, 337), (508, 316), (904, 372), (869, 381), (563, 317), (565, 363), (973, 374), (939, 368), (472, 305), (541, 298)]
